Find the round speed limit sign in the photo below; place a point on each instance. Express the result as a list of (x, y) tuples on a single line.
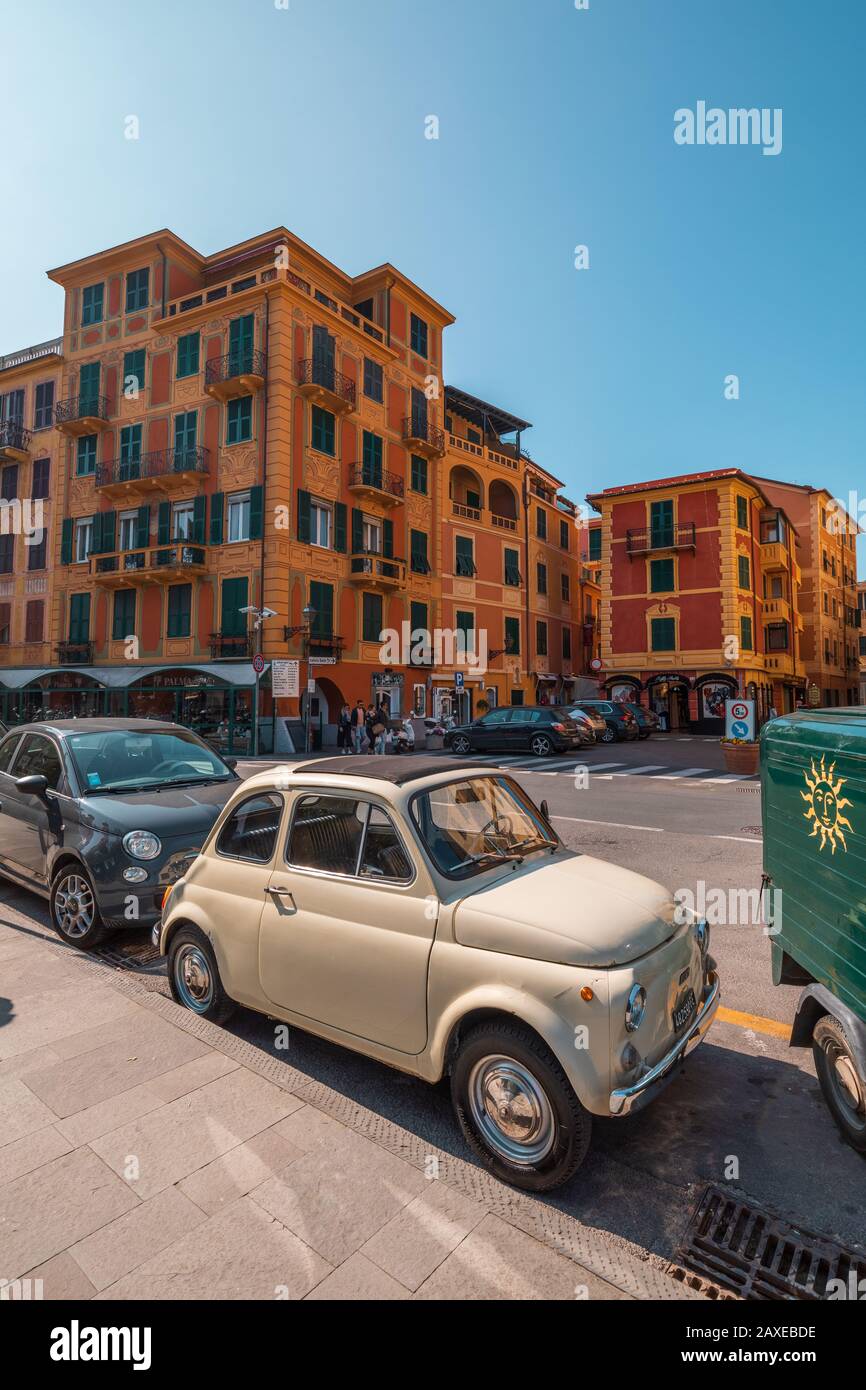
[(258, 663)]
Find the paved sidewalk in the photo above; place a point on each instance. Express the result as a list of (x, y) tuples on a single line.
[(147, 1154)]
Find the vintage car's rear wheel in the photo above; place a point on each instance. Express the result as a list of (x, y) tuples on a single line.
[(74, 909), (517, 1109), (460, 745), (194, 977), (843, 1085)]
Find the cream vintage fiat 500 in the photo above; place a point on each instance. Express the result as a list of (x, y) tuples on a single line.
[(426, 913)]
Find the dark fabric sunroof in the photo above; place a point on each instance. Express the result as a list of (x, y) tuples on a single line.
[(384, 767)]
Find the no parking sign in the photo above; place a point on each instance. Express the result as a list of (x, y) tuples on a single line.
[(740, 719)]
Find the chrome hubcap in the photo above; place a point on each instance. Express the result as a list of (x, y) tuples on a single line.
[(511, 1110), (193, 978), (540, 746), (848, 1086), (74, 908)]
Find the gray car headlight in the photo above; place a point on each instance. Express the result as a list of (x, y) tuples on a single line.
[(635, 1008), (142, 844)]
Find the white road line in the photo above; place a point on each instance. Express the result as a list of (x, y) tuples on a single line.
[(618, 825), (638, 771), (727, 777), (603, 767), (740, 839), (683, 772)]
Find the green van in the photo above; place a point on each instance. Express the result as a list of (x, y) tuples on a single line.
[(813, 780)]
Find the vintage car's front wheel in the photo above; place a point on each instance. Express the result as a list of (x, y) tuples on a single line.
[(842, 1085), (194, 977), (517, 1109)]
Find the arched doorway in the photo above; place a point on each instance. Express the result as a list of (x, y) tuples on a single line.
[(60, 695), (466, 490), (713, 689), (503, 504), (322, 707), (669, 697)]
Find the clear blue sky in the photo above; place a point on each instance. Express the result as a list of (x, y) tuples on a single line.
[(556, 128)]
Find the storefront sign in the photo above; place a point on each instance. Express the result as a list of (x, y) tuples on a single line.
[(285, 680), (740, 719), (814, 696)]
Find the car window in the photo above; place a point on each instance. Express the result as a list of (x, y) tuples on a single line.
[(496, 716), (39, 757), (326, 833), (251, 830), (466, 825), (118, 759), (7, 748), (383, 856)]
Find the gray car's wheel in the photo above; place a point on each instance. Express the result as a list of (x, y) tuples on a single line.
[(540, 745), (75, 912), (608, 736), (843, 1085), (194, 977), (461, 745), (517, 1109)]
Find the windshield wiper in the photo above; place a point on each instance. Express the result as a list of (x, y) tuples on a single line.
[(189, 782), (538, 842), (491, 856)]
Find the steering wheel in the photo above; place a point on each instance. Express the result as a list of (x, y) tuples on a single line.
[(498, 827)]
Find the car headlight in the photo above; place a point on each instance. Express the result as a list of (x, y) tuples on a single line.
[(142, 844), (635, 1008)]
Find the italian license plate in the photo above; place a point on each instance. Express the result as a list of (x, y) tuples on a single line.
[(682, 1014)]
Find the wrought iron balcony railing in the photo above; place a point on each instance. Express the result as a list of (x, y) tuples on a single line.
[(680, 537), (247, 362), (313, 371), (75, 653), (74, 408), (13, 435), (325, 645), (222, 646), (157, 464), (420, 431), (366, 475)]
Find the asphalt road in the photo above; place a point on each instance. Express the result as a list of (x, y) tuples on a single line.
[(747, 1110)]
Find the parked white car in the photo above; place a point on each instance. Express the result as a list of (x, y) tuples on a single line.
[(426, 914)]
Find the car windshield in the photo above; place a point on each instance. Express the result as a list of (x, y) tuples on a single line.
[(473, 824), (120, 759)]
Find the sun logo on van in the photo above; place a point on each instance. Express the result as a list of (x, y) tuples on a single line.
[(825, 805)]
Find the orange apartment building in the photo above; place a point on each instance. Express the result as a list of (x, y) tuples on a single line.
[(700, 597), (257, 429)]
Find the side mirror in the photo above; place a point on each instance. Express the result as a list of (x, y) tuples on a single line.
[(545, 810), (231, 762), (34, 785)]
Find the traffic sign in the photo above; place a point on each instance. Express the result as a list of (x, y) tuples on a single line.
[(459, 679), (740, 719), (596, 663), (258, 663), (284, 680)]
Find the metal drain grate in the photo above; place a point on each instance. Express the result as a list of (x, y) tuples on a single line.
[(139, 956), (701, 1285), (753, 1253)]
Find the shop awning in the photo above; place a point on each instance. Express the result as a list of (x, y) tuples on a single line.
[(116, 677)]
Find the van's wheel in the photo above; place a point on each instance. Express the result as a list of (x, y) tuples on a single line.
[(541, 746), (517, 1109), (194, 977), (460, 745), (842, 1083), (74, 910)]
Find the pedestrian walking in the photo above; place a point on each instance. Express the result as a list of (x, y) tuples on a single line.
[(359, 729)]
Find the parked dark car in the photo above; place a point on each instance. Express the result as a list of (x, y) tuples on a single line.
[(648, 720), (100, 815), (620, 723), (590, 719), (538, 729)]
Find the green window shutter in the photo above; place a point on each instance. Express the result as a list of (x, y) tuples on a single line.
[(661, 576), (199, 520), (123, 624), (257, 520), (340, 527), (388, 538), (217, 508), (419, 474), (663, 634), (595, 543), (304, 522), (746, 634), (79, 618), (109, 525), (142, 527), (163, 523), (418, 616), (744, 578), (662, 523), (188, 355), (357, 531), (743, 513), (235, 596), (66, 541), (372, 621), (418, 552), (322, 599), (241, 345), (512, 636), (179, 610), (322, 430), (96, 535)]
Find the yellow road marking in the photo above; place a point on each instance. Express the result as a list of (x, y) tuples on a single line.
[(755, 1022)]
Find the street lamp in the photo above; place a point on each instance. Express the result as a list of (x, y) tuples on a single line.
[(260, 616), (309, 615)]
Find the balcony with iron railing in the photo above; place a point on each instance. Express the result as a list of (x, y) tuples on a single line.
[(423, 436), (238, 373), (14, 441), (86, 414), (319, 381), (75, 653), (234, 647), (371, 569), (376, 483), (162, 470), (161, 564), (325, 647), (682, 536)]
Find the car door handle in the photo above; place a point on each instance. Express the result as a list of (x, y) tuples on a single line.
[(277, 891)]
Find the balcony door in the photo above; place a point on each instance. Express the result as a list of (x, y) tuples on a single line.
[(241, 345), (323, 358), (79, 618), (661, 525), (88, 389), (185, 431), (419, 414), (235, 596)]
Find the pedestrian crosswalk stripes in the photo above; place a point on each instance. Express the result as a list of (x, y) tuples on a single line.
[(568, 764)]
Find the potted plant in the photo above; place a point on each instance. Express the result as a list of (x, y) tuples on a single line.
[(741, 755)]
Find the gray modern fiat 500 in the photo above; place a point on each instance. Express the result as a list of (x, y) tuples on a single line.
[(100, 815)]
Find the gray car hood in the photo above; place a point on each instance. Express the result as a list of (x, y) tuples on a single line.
[(571, 909)]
